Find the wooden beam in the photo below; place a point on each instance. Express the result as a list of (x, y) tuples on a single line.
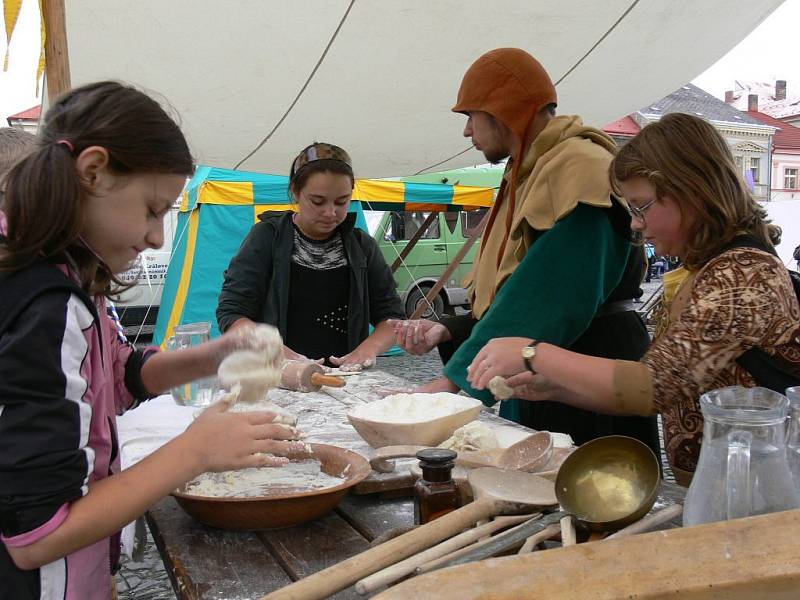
[(741, 559), (55, 48)]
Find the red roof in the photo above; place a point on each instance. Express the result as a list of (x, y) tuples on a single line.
[(786, 138), (623, 126), (31, 114)]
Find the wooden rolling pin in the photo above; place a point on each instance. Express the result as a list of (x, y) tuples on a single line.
[(304, 376)]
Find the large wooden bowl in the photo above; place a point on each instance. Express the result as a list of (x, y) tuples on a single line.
[(284, 510), (425, 432)]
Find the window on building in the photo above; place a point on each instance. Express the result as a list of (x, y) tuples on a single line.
[(404, 224), (470, 220), (755, 168), (790, 179)]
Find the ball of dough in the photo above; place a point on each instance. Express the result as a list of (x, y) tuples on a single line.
[(471, 437), (499, 388)]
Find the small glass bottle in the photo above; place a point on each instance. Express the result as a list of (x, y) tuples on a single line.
[(435, 493)]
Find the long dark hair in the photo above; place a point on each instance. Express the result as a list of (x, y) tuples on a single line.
[(44, 197), (685, 157)]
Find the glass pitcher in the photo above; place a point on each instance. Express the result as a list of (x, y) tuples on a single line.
[(742, 469), (793, 435), (201, 391)]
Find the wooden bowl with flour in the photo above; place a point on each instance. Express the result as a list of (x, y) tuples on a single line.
[(416, 419), (284, 507)]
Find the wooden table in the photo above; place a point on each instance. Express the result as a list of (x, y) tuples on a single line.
[(206, 563)]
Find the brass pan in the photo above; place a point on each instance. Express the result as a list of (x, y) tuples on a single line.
[(609, 482)]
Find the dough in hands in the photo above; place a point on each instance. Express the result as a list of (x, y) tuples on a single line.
[(255, 371), (499, 388), (472, 437)]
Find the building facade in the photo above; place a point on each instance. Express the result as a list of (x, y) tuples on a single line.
[(785, 162), (750, 140)]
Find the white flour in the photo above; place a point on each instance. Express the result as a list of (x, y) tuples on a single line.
[(297, 476), (413, 408)]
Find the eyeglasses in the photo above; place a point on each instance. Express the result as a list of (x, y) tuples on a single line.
[(638, 213)]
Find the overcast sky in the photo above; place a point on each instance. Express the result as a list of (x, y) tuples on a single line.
[(766, 54)]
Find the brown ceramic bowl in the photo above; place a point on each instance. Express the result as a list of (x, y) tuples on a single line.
[(280, 510)]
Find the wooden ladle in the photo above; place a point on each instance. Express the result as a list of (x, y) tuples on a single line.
[(527, 454), (497, 492)]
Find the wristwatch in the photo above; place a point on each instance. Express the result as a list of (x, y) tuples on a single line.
[(529, 353)]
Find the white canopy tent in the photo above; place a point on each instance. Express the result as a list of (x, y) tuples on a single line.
[(786, 214), (385, 86)]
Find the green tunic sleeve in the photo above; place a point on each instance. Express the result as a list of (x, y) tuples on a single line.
[(552, 295)]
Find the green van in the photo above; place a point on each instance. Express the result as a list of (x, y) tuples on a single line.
[(430, 256)]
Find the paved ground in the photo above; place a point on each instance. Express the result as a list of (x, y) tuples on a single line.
[(147, 580)]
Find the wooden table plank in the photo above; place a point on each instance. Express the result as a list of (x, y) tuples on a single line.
[(311, 547), (203, 562), (373, 516), (742, 559)]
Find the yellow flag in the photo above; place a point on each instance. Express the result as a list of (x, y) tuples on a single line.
[(40, 68), (11, 10)]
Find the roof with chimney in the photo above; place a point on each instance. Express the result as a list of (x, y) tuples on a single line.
[(770, 101), (787, 137), (782, 109), (692, 100)]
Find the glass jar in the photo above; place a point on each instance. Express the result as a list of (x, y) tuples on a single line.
[(435, 493), (201, 391)]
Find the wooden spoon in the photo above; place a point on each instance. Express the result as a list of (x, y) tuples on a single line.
[(496, 492), (528, 454)]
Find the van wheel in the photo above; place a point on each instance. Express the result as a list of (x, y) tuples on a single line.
[(417, 296)]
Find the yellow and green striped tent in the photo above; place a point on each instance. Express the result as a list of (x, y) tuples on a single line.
[(220, 206)]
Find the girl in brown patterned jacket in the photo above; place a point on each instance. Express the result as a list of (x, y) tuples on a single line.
[(685, 196)]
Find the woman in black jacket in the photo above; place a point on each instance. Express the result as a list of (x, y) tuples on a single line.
[(311, 273)]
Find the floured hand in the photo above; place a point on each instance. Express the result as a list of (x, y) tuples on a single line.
[(528, 386), (383, 391), (226, 440), (443, 384), (418, 336), (353, 362)]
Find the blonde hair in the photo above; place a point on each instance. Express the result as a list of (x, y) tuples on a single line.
[(686, 158)]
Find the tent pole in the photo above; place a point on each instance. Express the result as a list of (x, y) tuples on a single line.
[(414, 239), (451, 267), (55, 49)]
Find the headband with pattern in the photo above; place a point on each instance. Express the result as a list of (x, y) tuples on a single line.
[(319, 151)]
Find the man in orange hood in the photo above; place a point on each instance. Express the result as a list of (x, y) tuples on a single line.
[(556, 260)]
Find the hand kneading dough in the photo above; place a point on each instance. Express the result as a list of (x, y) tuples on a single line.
[(472, 436), (255, 371), (499, 388)]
